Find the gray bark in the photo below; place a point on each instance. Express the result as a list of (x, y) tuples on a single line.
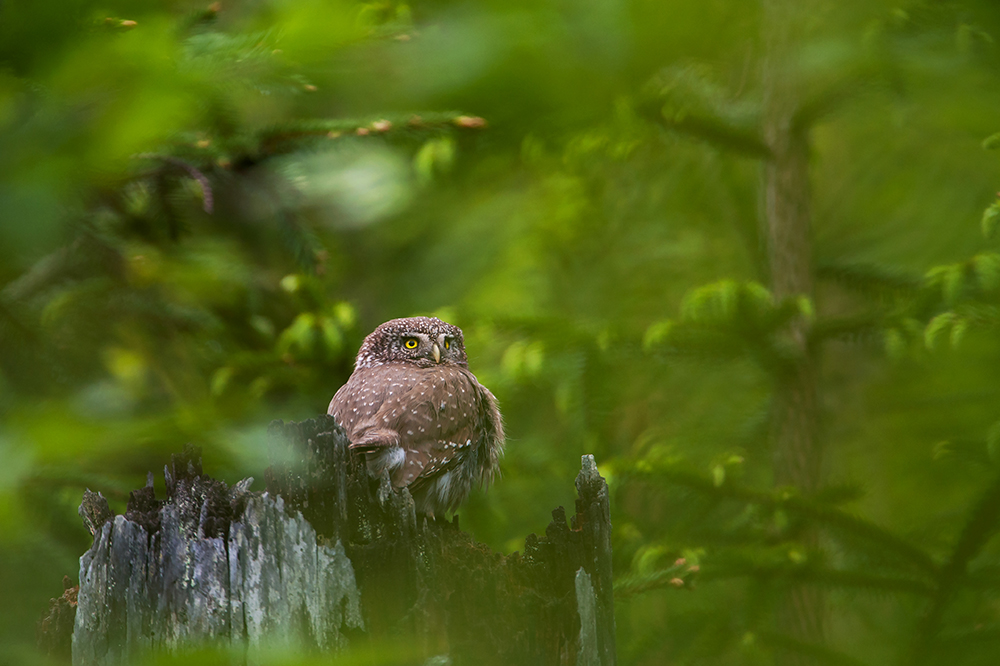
[(328, 559)]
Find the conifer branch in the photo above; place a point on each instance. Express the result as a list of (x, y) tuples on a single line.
[(870, 279), (8, 317), (819, 653), (716, 131), (864, 326), (300, 241), (685, 100), (198, 176), (960, 638), (983, 577), (782, 498), (982, 523), (835, 578), (270, 138), (638, 583)]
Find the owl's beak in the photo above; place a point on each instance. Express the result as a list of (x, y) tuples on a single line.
[(437, 353)]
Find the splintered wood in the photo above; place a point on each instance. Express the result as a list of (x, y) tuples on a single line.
[(328, 559)]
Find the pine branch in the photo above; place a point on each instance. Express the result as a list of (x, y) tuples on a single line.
[(638, 583), (958, 638), (716, 131), (198, 176), (45, 272), (781, 498), (300, 241), (683, 99), (84, 256), (271, 138), (839, 494), (870, 279), (858, 327), (819, 653), (980, 526), (983, 315), (985, 577), (835, 578), (9, 318), (856, 78)]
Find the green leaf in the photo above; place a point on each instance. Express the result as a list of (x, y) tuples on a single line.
[(718, 475), (262, 325), (523, 360), (958, 330), (220, 380), (332, 338), (723, 301), (993, 443), (991, 217), (936, 327), (291, 283), (435, 156), (954, 280), (895, 344), (297, 334), (345, 314), (806, 307), (647, 558), (657, 334), (987, 269)]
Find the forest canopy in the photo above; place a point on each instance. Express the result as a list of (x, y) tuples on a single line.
[(744, 253)]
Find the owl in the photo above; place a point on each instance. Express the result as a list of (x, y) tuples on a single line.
[(416, 411)]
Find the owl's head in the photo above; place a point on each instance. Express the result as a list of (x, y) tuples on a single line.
[(424, 341)]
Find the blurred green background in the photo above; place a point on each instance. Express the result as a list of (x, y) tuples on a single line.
[(204, 209)]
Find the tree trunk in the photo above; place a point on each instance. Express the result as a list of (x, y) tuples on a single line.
[(329, 559), (797, 452)]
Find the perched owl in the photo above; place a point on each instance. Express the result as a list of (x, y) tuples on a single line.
[(414, 409)]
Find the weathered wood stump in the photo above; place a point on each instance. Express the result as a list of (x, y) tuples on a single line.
[(329, 558)]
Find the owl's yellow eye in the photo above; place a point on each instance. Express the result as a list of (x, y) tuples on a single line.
[(447, 343), (411, 343)]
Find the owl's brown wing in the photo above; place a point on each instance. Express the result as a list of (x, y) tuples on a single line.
[(491, 434), (432, 414), (471, 437), (359, 404), (439, 429)]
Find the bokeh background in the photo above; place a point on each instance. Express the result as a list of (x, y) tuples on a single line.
[(204, 209)]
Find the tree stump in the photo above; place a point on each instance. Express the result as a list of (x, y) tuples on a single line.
[(329, 558)]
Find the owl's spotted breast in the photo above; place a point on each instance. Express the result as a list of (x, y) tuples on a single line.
[(431, 425)]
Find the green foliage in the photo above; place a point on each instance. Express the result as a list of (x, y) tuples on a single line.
[(991, 216), (692, 103), (204, 209)]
